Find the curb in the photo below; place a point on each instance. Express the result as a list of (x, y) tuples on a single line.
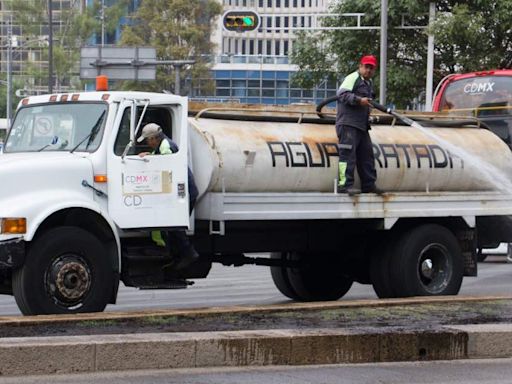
[(271, 308), (73, 354)]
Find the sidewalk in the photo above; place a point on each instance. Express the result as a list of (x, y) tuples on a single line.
[(298, 346)]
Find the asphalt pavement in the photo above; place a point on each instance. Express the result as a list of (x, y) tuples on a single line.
[(252, 285)]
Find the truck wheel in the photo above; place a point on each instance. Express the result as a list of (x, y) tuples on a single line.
[(380, 259), (280, 276), (480, 256), (67, 270), (321, 279), (427, 261)]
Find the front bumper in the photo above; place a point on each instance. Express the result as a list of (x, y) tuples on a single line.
[(12, 253)]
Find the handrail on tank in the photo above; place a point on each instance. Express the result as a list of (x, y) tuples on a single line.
[(217, 109)]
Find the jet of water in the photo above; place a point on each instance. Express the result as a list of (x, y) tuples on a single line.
[(489, 172)]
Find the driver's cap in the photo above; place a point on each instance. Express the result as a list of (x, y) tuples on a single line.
[(149, 130)]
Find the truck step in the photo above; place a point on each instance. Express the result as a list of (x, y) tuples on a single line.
[(146, 253), (172, 284)]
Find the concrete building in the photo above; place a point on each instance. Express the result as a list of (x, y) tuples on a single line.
[(29, 63), (253, 67)]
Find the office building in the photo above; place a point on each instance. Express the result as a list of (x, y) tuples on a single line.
[(254, 67)]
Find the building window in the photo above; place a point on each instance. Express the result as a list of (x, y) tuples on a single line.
[(251, 47), (286, 23), (278, 3), (285, 48), (222, 83), (260, 47), (269, 24), (222, 92), (276, 48), (244, 51), (253, 92), (269, 48), (260, 3), (269, 3)]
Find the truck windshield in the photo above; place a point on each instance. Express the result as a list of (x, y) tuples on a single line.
[(488, 98), (478, 96), (57, 127)]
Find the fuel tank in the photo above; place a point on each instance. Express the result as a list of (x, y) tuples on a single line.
[(262, 156)]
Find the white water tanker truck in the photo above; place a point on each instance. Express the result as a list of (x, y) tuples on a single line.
[(78, 205)]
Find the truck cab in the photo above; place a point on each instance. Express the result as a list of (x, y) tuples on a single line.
[(73, 185)]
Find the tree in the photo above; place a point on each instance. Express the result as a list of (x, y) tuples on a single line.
[(77, 26), (468, 37), (179, 30)]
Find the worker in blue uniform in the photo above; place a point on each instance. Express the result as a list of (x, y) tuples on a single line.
[(352, 126)]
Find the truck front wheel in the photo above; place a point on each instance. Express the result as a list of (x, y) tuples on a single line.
[(319, 277), (67, 270)]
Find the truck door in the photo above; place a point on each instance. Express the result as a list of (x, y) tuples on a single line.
[(149, 192)]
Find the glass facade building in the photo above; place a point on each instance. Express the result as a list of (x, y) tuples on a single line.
[(261, 80)]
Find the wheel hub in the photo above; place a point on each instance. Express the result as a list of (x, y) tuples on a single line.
[(427, 268), (433, 269), (69, 279)]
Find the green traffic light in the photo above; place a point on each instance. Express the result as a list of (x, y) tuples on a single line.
[(249, 21)]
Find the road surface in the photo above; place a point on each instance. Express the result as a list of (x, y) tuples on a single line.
[(252, 285)]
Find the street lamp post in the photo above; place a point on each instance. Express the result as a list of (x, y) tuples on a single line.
[(383, 50), (50, 47), (9, 73), (430, 61)]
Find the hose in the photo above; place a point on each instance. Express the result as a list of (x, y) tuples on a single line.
[(322, 104)]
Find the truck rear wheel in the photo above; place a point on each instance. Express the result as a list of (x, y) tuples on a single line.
[(380, 259), (280, 276), (427, 261), (320, 278), (67, 270)]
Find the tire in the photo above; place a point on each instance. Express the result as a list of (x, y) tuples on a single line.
[(67, 270), (280, 277), (380, 274), (480, 256), (426, 261), (319, 280)]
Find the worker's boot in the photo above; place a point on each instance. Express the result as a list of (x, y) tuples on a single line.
[(189, 257), (183, 250), (373, 189), (350, 190)]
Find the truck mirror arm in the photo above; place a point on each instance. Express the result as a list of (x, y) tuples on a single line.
[(97, 191)]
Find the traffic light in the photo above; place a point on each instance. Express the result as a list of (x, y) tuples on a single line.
[(240, 21)]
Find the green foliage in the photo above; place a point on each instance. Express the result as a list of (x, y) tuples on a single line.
[(471, 36), (179, 30), (78, 27)]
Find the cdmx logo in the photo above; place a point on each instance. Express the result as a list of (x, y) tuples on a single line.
[(139, 179)]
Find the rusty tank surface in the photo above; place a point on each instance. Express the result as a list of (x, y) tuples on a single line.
[(246, 149)]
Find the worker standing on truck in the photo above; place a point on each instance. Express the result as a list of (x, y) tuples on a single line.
[(352, 126), (162, 145)]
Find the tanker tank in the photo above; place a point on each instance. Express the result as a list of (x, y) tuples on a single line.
[(276, 156)]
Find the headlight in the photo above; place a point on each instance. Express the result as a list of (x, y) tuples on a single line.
[(13, 225)]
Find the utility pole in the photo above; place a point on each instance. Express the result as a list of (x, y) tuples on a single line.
[(383, 50), (177, 64), (9, 72), (430, 60), (102, 23), (50, 47)]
